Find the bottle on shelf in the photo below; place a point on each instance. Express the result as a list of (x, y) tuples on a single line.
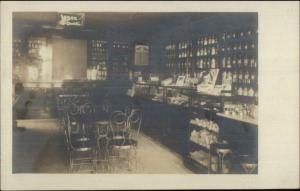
[(246, 62), (205, 41), (234, 77), (228, 62), (213, 51), (213, 63), (240, 77), (239, 62), (251, 92), (240, 90), (247, 78), (223, 62), (234, 62), (245, 91)]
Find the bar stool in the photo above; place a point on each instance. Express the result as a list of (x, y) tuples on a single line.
[(248, 164), (223, 150)]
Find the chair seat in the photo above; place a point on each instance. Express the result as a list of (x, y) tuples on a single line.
[(123, 143), (78, 137), (118, 135), (102, 122), (84, 145)]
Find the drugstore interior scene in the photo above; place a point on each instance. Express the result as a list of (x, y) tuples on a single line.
[(135, 92)]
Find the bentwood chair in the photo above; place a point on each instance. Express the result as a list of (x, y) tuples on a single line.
[(118, 131), (81, 152), (128, 142)]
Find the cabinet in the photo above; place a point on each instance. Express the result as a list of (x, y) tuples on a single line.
[(97, 60)]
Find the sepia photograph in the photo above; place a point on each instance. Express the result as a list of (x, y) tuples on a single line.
[(135, 92), (151, 96)]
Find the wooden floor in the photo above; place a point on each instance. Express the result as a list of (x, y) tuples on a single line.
[(38, 147)]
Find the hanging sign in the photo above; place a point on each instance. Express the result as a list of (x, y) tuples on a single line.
[(71, 19)]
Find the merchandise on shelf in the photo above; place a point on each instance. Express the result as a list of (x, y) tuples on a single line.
[(240, 110)]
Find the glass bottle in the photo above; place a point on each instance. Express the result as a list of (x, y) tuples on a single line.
[(213, 63), (240, 79), (201, 41), (240, 91), (224, 62), (201, 64), (205, 41), (245, 91), (208, 51), (246, 62), (234, 77), (246, 46), (213, 51), (240, 46), (229, 62), (251, 92), (247, 78), (223, 36), (234, 62), (239, 62), (252, 78), (234, 46)]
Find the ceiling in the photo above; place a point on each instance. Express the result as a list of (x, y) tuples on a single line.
[(133, 23)]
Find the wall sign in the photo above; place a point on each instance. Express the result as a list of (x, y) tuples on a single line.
[(141, 56), (71, 19)]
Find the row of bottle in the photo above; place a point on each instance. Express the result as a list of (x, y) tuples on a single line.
[(98, 72), (240, 110), (170, 47), (238, 62), (98, 54), (207, 40), (98, 44), (238, 47), (206, 63), (120, 45), (238, 35), (180, 65), (171, 56), (99, 49), (184, 45), (243, 90), (185, 54), (206, 124), (210, 51), (240, 77)]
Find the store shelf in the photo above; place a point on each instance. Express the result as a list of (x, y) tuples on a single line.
[(194, 124), (197, 145), (244, 120)]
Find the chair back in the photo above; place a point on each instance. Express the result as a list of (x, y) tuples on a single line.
[(134, 123), (118, 123)]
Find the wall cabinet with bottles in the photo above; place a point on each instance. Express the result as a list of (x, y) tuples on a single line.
[(234, 53), (239, 61), (97, 60), (207, 52), (119, 58)]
